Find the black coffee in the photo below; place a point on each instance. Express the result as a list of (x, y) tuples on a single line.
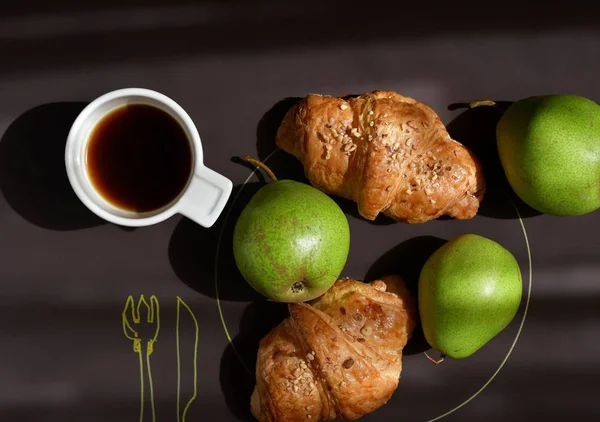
[(139, 158)]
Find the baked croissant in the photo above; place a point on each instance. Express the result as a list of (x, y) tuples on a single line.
[(389, 153), (337, 357)]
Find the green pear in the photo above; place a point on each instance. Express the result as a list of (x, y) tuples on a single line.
[(549, 147), (469, 291), (291, 241)]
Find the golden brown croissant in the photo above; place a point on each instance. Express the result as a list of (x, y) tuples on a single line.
[(389, 153), (337, 357)]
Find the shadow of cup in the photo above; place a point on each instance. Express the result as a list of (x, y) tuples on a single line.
[(33, 178)]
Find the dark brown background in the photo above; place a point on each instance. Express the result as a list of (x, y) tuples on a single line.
[(231, 65)]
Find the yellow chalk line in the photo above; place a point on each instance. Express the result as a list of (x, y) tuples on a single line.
[(514, 343), (181, 416)]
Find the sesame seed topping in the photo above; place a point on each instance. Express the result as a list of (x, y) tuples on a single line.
[(408, 142), (408, 191), (343, 106), (371, 123), (371, 112), (389, 188), (389, 169), (432, 200), (385, 115)]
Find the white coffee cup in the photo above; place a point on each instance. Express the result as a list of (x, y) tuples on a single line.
[(202, 199)]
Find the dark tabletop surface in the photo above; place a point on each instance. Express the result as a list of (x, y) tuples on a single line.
[(234, 66)]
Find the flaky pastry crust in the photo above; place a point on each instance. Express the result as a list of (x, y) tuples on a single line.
[(339, 356), (389, 153)]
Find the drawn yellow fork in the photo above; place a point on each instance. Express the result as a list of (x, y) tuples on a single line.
[(132, 311)]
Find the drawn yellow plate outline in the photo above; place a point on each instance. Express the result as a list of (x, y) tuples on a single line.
[(437, 418)]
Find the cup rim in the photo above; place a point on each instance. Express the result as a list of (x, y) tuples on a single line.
[(75, 141)]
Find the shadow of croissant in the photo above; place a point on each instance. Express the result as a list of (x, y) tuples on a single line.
[(407, 260), (238, 361), (476, 129)]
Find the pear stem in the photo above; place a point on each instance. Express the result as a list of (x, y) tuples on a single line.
[(261, 165), (435, 362), (485, 103)]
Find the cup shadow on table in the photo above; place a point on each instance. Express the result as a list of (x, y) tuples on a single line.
[(193, 252), (286, 166), (406, 260), (476, 129), (33, 178)]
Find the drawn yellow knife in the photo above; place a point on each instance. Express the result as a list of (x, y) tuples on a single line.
[(181, 415)]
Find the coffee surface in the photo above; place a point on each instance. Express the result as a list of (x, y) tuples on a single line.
[(139, 158)]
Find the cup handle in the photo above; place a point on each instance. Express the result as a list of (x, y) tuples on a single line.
[(205, 197)]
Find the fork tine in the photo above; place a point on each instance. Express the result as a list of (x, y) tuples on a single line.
[(129, 310), (147, 309), (155, 314)]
